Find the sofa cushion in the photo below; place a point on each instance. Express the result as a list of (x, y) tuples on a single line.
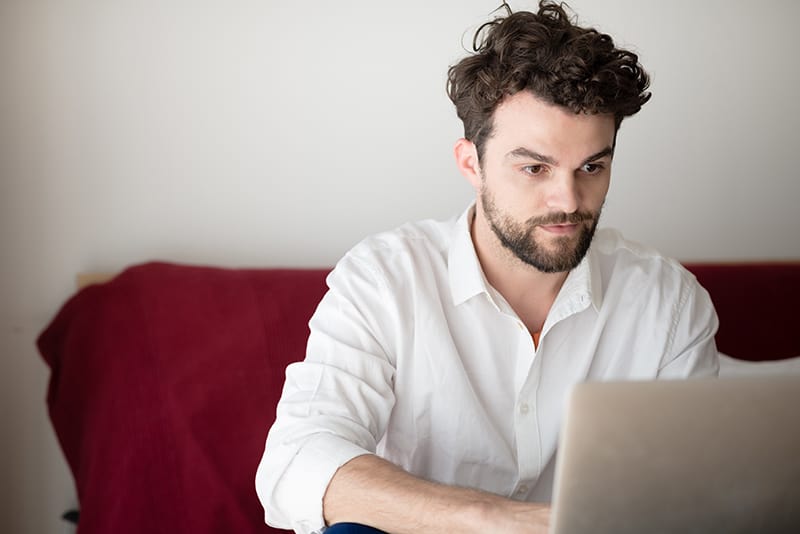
[(756, 307), (734, 367), (164, 384)]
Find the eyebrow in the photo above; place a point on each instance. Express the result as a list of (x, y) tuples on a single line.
[(522, 152)]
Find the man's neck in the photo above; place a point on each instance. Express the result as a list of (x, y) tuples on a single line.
[(528, 291)]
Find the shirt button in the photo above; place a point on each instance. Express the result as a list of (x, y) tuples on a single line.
[(524, 408), (522, 489)]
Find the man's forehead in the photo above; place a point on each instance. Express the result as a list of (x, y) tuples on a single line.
[(552, 135), (526, 107)]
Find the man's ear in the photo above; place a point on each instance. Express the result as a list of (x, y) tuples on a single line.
[(467, 162)]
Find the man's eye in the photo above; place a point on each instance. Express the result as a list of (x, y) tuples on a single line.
[(533, 170), (592, 168)]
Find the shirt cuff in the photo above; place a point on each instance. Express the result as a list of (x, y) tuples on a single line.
[(302, 487)]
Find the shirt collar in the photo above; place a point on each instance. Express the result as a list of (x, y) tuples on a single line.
[(582, 288), (464, 269), (595, 280), (583, 284)]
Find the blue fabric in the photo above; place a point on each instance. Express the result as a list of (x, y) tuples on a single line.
[(352, 528)]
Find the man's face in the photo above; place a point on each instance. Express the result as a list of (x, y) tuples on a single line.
[(544, 176)]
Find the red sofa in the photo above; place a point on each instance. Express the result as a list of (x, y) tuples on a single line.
[(165, 379)]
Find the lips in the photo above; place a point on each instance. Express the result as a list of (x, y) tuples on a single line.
[(560, 229)]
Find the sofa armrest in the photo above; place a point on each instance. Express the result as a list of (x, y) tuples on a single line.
[(163, 385)]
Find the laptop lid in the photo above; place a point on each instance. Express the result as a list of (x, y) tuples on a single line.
[(707, 455)]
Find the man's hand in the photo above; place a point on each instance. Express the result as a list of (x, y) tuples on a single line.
[(374, 492)]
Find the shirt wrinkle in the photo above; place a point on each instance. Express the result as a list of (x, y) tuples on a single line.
[(674, 325)]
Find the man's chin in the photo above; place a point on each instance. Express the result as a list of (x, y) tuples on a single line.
[(560, 245), (562, 253)]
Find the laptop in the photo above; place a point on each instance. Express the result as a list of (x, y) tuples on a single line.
[(695, 456)]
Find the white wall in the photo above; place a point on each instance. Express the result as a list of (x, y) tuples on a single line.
[(260, 132)]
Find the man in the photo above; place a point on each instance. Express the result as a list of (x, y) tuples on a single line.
[(438, 362)]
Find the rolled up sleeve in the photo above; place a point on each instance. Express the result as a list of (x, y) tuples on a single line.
[(335, 404)]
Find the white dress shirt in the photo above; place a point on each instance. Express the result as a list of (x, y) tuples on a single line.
[(414, 356)]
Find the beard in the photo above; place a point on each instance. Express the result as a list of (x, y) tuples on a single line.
[(566, 251)]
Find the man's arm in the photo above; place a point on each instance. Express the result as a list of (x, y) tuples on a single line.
[(692, 352), (375, 492)]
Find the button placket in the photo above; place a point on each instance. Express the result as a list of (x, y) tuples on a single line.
[(528, 439)]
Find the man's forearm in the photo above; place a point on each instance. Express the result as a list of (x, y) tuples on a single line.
[(372, 491)]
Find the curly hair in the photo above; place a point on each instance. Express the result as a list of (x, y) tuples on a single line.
[(546, 53)]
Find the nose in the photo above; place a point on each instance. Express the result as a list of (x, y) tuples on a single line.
[(562, 195)]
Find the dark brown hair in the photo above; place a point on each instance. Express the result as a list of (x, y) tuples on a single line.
[(549, 55)]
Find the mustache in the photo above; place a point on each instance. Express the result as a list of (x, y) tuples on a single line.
[(561, 218)]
